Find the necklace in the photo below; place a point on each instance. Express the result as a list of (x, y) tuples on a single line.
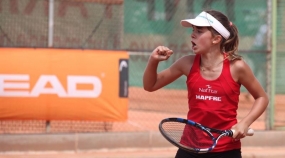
[(210, 68)]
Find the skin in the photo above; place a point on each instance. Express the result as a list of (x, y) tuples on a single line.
[(208, 46)]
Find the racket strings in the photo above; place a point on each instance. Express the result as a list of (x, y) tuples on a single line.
[(187, 135)]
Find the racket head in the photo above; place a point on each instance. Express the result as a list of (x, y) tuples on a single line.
[(199, 139)]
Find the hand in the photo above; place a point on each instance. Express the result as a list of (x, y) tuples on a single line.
[(161, 53), (240, 131)]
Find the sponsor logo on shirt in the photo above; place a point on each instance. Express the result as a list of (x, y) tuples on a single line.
[(208, 89), (206, 97)]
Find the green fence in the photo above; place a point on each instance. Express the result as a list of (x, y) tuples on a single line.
[(149, 23), (139, 26)]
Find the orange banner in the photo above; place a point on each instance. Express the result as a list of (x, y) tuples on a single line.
[(62, 84)]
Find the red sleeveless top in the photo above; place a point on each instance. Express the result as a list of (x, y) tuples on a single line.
[(213, 103)]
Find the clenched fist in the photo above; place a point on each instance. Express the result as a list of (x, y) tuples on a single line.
[(161, 53)]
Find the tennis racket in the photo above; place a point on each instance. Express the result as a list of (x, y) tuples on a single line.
[(203, 139)]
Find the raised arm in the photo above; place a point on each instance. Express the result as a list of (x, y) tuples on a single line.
[(151, 79)]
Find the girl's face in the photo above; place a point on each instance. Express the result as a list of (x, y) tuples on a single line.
[(201, 39)]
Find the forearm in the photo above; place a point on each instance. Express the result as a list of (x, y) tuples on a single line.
[(259, 106), (150, 74)]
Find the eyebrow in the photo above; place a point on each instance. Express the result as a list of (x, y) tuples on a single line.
[(199, 27)]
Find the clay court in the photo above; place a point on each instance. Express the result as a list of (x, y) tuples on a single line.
[(145, 118), (148, 108)]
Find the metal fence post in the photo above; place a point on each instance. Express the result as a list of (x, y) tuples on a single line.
[(50, 23)]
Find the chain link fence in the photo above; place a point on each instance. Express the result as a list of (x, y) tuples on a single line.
[(137, 26), (279, 70)]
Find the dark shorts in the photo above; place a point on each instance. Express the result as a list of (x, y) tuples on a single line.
[(236, 153)]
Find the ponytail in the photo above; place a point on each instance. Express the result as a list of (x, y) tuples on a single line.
[(230, 45)]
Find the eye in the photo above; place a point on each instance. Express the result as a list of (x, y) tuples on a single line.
[(199, 31)]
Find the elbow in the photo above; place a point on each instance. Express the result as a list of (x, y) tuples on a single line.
[(147, 86), (149, 89), (265, 100)]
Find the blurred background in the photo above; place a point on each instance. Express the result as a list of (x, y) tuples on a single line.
[(137, 27)]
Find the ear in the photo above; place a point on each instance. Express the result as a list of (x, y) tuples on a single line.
[(217, 39)]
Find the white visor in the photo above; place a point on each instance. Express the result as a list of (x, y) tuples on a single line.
[(205, 19)]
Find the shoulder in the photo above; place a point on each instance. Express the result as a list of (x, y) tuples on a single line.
[(239, 65), (185, 63), (187, 58), (240, 69)]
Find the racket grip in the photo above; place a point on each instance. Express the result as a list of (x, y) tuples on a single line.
[(250, 132)]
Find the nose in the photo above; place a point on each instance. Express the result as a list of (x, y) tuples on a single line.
[(193, 34)]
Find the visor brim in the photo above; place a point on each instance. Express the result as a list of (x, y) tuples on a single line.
[(195, 22)]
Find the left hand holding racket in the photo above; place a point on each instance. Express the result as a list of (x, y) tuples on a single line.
[(239, 134)]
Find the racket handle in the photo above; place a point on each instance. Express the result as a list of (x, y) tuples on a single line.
[(250, 132)]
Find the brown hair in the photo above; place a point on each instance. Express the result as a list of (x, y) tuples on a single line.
[(230, 45)]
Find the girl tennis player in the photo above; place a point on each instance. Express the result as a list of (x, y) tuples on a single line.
[(214, 77)]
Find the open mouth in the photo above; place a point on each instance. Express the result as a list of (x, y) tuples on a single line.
[(193, 44)]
